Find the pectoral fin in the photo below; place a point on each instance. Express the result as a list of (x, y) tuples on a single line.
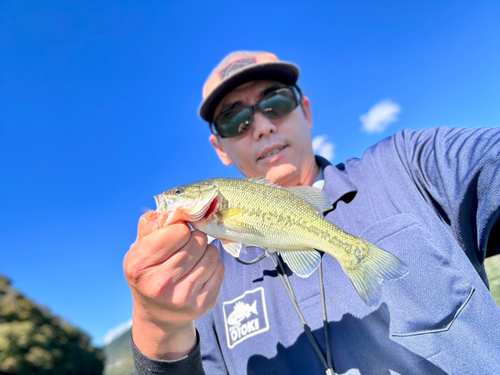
[(233, 248), (228, 213), (303, 262)]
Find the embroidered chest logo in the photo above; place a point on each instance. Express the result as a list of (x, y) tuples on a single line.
[(245, 316)]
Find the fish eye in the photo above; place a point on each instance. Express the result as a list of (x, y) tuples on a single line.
[(177, 191)]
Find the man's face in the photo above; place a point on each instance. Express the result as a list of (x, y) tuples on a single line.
[(279, 149)]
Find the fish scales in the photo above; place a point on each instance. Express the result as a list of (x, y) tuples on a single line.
[(289, 222), (256, 212)]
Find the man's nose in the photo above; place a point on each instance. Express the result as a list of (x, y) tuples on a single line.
[(262, 125)]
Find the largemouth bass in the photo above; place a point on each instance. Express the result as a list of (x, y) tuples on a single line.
[(259, 213)]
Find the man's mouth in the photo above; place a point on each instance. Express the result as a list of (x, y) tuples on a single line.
[(272, 152)]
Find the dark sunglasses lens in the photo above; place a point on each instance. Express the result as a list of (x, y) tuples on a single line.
[(279, 103), (235, 122)]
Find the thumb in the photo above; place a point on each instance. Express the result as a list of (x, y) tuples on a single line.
[(147, 224)]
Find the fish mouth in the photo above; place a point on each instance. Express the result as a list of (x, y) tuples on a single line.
[(195, 211), (172, 209), (162, 204), (271, 151), (164, 209)]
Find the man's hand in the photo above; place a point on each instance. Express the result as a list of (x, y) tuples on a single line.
[(174, 277)]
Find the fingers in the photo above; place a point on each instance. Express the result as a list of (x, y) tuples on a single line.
[(182, 261), (163, 242), (207, 296), (174, 275), (147, 224), (197, 291), (204, 268)]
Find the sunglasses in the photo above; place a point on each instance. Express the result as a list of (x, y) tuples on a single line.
[(275, 104)]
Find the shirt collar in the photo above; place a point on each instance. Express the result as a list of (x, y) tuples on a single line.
[(320, 180), (337, 185)]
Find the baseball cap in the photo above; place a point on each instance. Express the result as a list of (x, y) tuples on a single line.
[(238, 68)]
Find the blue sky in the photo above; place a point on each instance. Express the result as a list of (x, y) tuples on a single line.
[(99, 99)]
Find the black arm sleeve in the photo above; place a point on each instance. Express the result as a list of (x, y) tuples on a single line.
[(188, 365)]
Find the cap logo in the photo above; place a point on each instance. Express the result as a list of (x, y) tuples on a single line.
[(235, 66)]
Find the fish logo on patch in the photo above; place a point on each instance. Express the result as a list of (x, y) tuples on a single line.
[(241, 311), (245, 316)]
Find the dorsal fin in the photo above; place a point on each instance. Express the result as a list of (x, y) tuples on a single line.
[(264, 181), (312, 196)]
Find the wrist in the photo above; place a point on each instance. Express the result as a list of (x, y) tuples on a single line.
[(166, 342)]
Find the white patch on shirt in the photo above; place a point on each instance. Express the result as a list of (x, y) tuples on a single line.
[(245, 316)]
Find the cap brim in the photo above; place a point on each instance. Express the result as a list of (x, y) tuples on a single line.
[(277, 71)]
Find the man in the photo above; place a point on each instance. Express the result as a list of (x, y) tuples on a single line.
[(429, 197)]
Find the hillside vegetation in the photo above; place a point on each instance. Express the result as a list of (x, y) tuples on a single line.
[(119, 356), (32, 341)]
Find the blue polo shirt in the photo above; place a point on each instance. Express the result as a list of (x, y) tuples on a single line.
[(430, 197)]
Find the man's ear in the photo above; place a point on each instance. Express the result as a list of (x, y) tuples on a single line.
[(215, 141), (307, 110)]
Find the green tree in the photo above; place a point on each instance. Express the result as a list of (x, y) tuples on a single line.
[(32, 341)]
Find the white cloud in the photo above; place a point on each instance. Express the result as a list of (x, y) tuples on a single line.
[(378, 117), (116, 332), (323, 148)]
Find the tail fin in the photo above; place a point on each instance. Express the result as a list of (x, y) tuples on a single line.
[(370, 272)]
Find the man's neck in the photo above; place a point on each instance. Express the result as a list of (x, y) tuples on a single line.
[(312, 173)]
